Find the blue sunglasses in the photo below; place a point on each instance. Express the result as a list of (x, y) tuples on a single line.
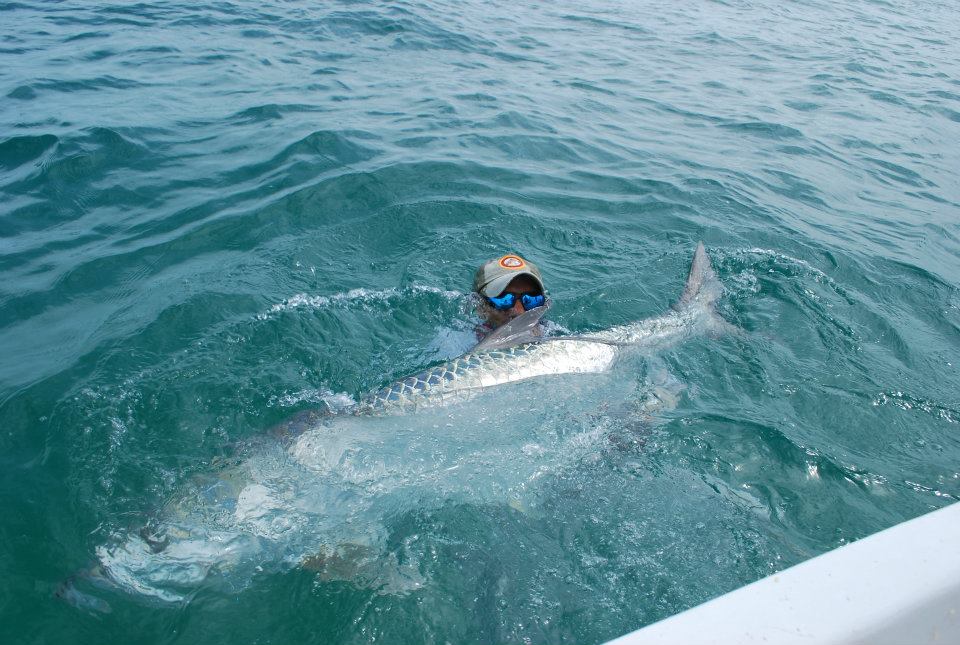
[(507, 300)]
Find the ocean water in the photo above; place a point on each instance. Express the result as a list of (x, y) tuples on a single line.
[(215, 216)]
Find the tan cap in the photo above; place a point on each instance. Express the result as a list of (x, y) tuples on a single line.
[(494, 275)]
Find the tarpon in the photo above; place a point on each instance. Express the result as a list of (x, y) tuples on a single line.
[(318, 496)]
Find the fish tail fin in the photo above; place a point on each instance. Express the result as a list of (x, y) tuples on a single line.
[(701, 292)]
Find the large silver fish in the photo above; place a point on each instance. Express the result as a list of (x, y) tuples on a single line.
[(319, 496)]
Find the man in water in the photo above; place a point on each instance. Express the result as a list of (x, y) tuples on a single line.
[(506, 287)]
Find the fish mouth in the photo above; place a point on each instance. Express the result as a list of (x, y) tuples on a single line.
[(69, 591)]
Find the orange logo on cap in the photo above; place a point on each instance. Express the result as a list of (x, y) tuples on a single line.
[(511, 262)]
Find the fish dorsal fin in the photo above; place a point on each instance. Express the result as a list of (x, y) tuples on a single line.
[(522, 329)]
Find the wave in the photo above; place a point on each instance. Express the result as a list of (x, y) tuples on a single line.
[(908, 402)]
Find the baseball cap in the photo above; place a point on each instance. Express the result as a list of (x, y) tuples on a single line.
[(494, 275)]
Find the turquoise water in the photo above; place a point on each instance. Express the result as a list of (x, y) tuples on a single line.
[(215, 216)]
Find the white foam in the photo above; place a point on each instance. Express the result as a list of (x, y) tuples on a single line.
[(356, 297), (907, 403), (783, 258), (335, 401)]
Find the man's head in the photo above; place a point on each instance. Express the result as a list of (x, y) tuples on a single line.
[(507, 286)]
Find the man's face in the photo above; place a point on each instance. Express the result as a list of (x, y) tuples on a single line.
[(518, 286)]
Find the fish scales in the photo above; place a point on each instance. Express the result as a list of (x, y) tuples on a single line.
[(462, 376)]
